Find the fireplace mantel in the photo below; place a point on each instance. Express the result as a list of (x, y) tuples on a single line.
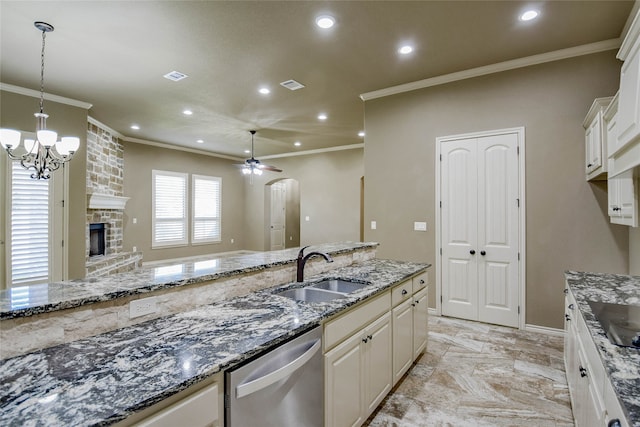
[(106, 201)]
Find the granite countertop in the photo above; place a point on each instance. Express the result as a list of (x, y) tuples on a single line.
[(622, 364), (42, 298), (104, 379)]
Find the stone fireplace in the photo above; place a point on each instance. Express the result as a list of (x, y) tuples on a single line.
[(105, 204)]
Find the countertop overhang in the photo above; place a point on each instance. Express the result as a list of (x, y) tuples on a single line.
[(622, 364), (106, 378)]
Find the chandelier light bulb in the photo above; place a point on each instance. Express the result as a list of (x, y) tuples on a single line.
[(47, 137), (29, 144), (9, 138)]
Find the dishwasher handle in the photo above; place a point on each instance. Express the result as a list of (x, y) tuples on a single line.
[(273, 377)]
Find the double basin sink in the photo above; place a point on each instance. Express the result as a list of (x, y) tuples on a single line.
[(324, 290)]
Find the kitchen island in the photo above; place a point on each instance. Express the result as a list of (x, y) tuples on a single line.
[(106, 378), (621, 364)]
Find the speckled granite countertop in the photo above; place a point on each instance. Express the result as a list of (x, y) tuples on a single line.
[(106, 378), (622, 364), (47, 297)]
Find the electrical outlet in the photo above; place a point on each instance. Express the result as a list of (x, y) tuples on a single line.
[(420, 226), (141, 307), (135, 249), (232, 241)]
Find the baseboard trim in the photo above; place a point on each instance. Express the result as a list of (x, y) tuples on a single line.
[(544, 330)]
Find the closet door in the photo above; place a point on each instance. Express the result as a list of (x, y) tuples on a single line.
[(480, 228), (459, 228)]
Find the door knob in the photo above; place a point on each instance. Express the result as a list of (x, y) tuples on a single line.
[(472, 252), (483, 253)]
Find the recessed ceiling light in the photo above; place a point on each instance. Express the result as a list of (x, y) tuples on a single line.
[(405, 50), (297, 143), (529, 15), (361, 133), (322, 116), (264, 91), (187, 112), (325, 21), (135, 127), (200, 141)]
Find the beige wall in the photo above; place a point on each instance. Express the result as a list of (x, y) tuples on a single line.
[(140, 160), (567, 222), (329, 185), (16, 111), (634, 251)]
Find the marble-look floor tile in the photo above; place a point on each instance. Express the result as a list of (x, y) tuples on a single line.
[(480, 375)]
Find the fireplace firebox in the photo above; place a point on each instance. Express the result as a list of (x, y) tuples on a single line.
[(97, 239)]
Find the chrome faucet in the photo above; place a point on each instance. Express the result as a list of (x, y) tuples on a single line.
[(302, 260)]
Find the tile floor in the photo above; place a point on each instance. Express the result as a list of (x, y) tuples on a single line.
[(477, 375)]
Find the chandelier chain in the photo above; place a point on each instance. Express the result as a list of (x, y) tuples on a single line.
[(44, 34)]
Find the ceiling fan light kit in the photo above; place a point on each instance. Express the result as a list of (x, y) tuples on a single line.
[(253, 166)]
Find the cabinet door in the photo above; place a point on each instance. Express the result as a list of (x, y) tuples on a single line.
[(420, 321), (377, 363), (593, 145), (613, 195), (344, 392), (628, 199), (629, 103), (402, 317)]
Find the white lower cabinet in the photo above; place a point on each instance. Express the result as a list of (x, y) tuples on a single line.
[(367, 346), (593, 400), (201, 407), (358, 370)]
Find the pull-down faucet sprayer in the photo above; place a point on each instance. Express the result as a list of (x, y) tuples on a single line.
[(302, 260)]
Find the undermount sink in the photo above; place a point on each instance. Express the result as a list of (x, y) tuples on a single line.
[(309, 294), (339, 285), (621, 322)]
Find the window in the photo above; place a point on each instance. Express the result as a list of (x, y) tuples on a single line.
[(29, 247), (207, 197), (169, 219)]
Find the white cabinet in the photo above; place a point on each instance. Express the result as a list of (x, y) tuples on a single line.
[(595, 139), (593, 400), (358, 368), (626, 154), (622, 188), (623, 199), (198, 408), (409, 319)]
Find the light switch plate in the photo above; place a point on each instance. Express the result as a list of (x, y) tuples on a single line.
[(420, 226), (373, 225)]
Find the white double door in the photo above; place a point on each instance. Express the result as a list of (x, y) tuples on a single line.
[(479, 179)]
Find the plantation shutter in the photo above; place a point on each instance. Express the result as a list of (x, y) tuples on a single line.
[(29, 227), (207, 200), (169, 196)]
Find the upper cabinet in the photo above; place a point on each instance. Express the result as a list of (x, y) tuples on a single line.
[(626, 150), (595, 140)]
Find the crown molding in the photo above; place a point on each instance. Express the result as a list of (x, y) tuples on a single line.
[(49, 97), (105, 127), (527, 61), (318, 151), (180, 148)]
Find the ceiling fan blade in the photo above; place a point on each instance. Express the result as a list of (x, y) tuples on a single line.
[(269, 168)]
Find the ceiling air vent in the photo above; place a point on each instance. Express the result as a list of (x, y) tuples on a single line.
[(175, 76), (292, 85)]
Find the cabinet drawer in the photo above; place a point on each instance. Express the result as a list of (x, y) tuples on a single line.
[(401, 292), (612, 405), (201, 408), (420, 281), (346, 324)]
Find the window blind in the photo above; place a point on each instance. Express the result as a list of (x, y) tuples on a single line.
[(29, 227), (169, 196), (207, 200)]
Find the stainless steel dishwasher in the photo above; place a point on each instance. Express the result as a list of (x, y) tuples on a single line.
[(281, 388)]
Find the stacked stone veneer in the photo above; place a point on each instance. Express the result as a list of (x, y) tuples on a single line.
[(105, 165)]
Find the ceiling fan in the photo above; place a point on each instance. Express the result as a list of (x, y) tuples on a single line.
[(253, 166)]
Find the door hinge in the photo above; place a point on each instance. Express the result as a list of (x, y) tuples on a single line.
[(63, 243), (518, 150), (518, 256), (518, 309), (440, 204), (440, 251), (518, 202), (440, 157), (63, 203), (440, 299)]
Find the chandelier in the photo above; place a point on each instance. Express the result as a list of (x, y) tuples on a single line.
[(44, 154)]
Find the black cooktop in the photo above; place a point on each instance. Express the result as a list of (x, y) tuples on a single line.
[(621, 322)]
